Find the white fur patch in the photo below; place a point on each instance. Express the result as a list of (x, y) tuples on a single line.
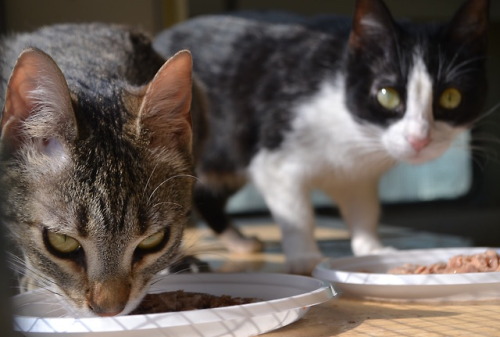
[(326, 138), (326, 149), (418, 124)]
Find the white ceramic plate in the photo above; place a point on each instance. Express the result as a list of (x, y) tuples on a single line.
[(366, 276), (286, 298)]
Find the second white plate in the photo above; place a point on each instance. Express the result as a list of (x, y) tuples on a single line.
[(366, 276)]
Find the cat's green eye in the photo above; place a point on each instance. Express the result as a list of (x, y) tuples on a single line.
[(62, 243), (152, 241), (389, 98), (450, 98)]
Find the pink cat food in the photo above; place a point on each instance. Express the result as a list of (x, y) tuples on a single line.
[(489, 261)]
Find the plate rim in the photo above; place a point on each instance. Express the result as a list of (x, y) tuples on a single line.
[(324, 271), (300, 302)]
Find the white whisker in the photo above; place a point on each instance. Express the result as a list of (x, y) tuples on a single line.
[(149, 179), (457, 70), (165, 203), (487, 113), (167, 180), (20, 267)]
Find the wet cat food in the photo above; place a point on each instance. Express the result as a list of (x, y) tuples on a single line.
[(489, 261), (181, 301)]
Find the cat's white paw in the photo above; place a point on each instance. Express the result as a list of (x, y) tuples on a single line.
[(374, 250), (238, 243), (303, 265), (369, 245)]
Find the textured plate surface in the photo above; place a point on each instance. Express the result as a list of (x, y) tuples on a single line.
[(366, 276), (285, 299)]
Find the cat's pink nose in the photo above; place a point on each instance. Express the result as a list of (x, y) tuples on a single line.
[(418, 143)]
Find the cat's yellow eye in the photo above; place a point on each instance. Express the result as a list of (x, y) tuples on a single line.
[(62, 243), (389, 98), (450, 98), (152, 241)]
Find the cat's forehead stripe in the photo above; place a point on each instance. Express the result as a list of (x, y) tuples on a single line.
[(420, 90), (82, 219)]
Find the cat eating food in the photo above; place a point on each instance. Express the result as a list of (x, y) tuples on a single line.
[(300, 104), (96, 161)]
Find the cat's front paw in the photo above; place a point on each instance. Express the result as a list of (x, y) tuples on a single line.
[(303, 265), (375, 249), (367, 245), (237, 243)]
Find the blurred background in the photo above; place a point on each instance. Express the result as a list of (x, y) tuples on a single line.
[(457, 194)]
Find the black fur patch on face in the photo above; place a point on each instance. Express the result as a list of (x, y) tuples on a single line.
[(370, 68), (460, 66), (82, 219), (389, 63), (382, 53)]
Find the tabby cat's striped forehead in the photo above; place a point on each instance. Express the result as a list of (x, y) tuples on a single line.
[(96, 129)]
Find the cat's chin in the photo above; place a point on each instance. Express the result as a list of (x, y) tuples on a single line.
[(422, 157), (409, 156), (418, 159)]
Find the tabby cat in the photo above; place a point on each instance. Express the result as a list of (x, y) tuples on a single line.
[(96, 161), (326, 103)]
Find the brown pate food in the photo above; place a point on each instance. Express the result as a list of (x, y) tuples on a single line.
[(181, 301)]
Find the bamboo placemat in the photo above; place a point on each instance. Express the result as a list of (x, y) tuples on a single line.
[(350, 317)]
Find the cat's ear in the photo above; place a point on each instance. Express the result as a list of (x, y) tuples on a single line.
[(165, 108), (469, 25), (372, 22), (37, 104)]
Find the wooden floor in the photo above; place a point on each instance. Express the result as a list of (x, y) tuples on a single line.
[(331, 233), (354, 318)]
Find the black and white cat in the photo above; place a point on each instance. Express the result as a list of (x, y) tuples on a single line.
[(300, 104)]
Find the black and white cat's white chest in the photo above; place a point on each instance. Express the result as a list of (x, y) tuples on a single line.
[(324, 143)]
